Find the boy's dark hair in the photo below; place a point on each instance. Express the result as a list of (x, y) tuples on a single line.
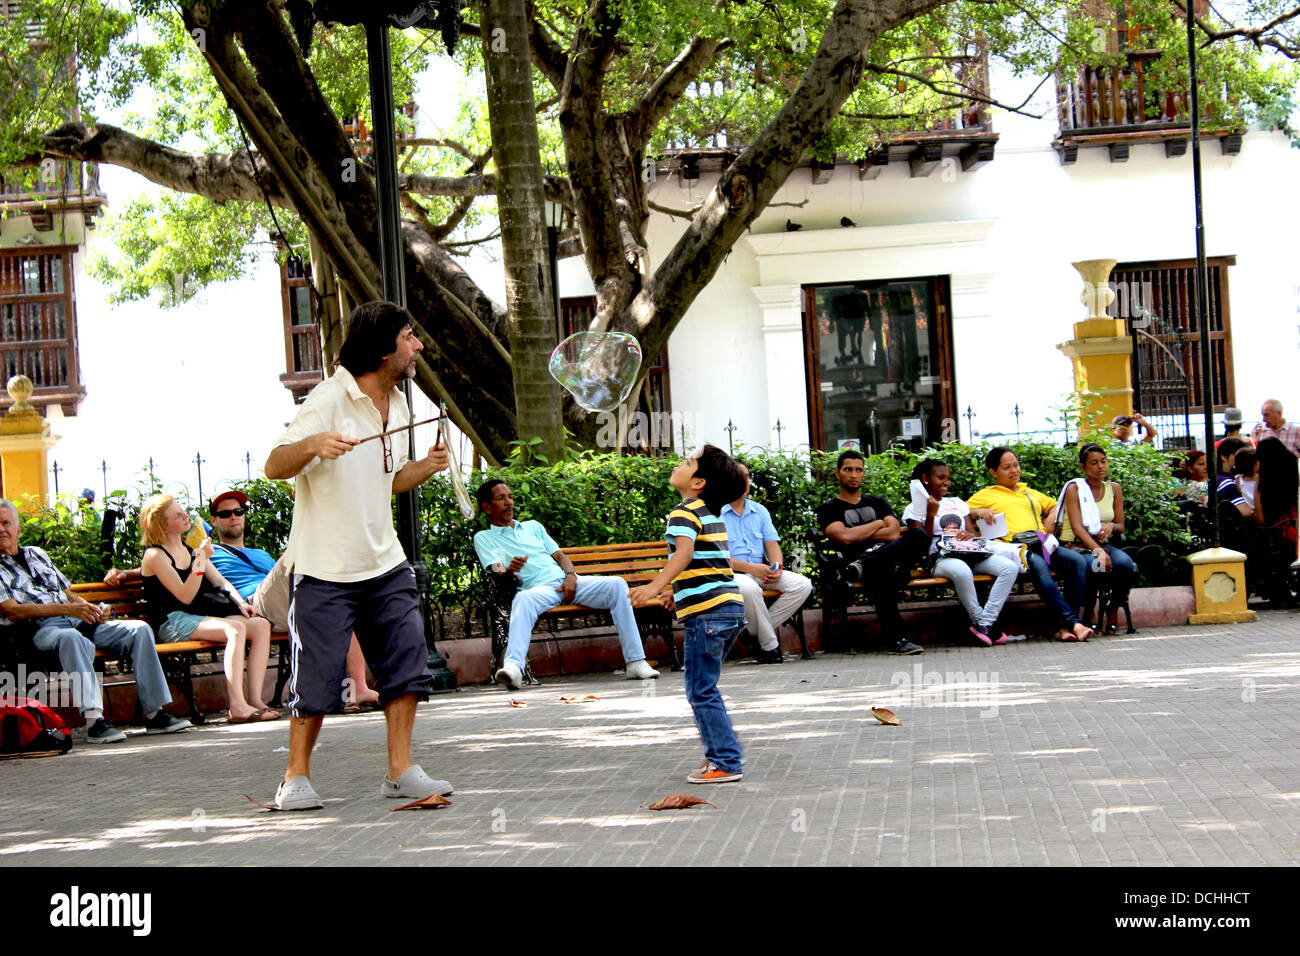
[(483, 494), (950, 521), (373, 329), (1087, 450), (923, 468), (994, 457), (1244, 463), (722, 481), (845, 455), (1229, 446)]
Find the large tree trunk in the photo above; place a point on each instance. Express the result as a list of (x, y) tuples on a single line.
[(485, 364), (530, 296)]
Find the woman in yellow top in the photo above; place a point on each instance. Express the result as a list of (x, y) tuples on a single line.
[(1030, 510), (1093, 514)]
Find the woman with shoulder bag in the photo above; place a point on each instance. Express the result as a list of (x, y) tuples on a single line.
[(940, 510), (1031, 514), (1094, 515), (188, 599)]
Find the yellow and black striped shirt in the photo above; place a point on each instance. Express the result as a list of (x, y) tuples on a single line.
[(707, 583)]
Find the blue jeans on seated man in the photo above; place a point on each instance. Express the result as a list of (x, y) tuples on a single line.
[(709, 636), (1072, 567), (607, 593), (132, 639)]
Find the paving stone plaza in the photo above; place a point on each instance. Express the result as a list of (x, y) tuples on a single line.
[(1175, 745)]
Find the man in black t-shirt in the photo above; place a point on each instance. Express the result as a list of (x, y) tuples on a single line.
[(876, 549)]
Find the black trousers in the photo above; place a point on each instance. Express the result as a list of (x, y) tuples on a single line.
[(884, 572)]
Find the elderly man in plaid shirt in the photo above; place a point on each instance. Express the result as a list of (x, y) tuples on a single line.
[(35, 602), (1275, 426)]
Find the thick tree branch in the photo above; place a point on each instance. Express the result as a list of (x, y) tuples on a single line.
[(658, 101), (221, 177), (746, 187), (482, 184), (547, 55)]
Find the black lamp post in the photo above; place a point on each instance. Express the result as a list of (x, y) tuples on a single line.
[(377, 16), (1202, 293), (554, 220)]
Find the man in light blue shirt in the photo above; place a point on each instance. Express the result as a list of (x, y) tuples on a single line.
[(758, 564), (546, 577)]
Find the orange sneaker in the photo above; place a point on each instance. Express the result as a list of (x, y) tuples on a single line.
[(711, 774)]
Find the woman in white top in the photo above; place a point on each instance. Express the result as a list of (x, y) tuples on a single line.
[(1094, 514), (942, 511)]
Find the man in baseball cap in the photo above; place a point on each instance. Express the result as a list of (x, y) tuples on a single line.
[(1122, 429), (263, 582)]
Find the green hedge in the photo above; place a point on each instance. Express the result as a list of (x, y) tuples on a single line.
[(598, 498)]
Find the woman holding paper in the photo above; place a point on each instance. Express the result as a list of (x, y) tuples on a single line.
[(1094, 515), (1029, 512), (935, 513)]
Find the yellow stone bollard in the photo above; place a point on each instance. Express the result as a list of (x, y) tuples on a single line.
[(1219, 581), (25, 442)]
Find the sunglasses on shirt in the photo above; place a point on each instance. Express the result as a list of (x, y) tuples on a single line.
[(230, 513)]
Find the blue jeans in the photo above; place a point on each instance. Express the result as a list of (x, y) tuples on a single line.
[(133, 639), (607, 593), (709, 636), (1072, 567)]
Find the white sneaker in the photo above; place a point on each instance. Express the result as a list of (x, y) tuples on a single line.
[(510, 675), (297, 793), (640, 670), (415, 784)]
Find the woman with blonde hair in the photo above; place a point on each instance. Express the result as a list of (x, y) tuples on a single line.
[(188, 599)]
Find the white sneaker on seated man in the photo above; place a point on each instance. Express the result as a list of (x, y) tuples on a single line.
[(547, 579), (758, 565)]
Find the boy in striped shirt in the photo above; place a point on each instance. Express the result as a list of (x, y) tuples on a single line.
[(707, 600)]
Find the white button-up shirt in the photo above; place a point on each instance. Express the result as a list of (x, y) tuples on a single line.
[(343, 509)]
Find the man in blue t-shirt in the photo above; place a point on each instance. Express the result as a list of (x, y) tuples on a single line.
[(546, 577), (263, 582)]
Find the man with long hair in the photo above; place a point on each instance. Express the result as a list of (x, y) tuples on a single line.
[(349, 570)]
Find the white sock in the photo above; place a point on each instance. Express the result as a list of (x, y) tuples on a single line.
[(92, 715), (152, 715)]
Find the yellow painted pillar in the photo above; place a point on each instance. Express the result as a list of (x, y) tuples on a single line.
[(1219, 580), (1100, 351), (25, 442)]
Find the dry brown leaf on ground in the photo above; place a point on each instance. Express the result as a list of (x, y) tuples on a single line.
[(517, 703), (578, 700), (433, 801), (886, 716), (264, 806), (680, 801)]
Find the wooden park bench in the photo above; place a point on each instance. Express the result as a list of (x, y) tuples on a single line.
[(636, 563), (177, 658), (838, 595)]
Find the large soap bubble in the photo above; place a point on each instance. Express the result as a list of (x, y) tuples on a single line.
[(598, 368)]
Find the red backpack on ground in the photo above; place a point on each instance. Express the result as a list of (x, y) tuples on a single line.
[(29, 727)]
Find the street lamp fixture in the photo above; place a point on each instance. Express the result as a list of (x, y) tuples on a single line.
[(554, 213)]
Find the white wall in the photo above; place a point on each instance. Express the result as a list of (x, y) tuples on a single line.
[(1015, 294)]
